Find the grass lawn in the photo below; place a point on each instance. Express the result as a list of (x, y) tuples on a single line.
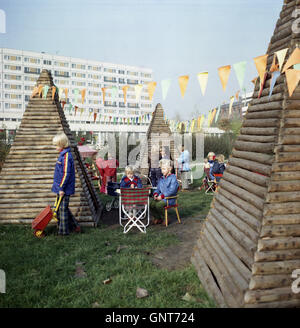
[(41, 272)]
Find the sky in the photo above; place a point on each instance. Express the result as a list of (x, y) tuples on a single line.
[(172, 37)]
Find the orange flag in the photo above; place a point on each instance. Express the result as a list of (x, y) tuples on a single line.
[(34, 92), (151, 88), (237, 95), (63, 104), (293, 60), (53, 92), (261, 65), (224, 73), (254, 80), (75, 108), (292, 79), (82, 95), (183, 81), (125, 92), (274, 67), (40, 90), (66, 92), (95, 116), (103, 94)]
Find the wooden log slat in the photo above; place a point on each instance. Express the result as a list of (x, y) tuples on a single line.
[(281, 219), (249, 164), (259, 131), (276, 186), (275, 267), (237, 281), (270, 281), (261, 122), (242, 193), (237, 249), (278, 255), (287, 156), (275, 305), (227, 288), (289, 139), (238, 264), (286, 167), (281, 230), (240, 203), (207, 280), (279, 197), (259, 147), (255, 178), (250, 221), (270, 114), (252, 138), (287, 148), (271, 295), (282, 208), (278, 243), (251, 187)]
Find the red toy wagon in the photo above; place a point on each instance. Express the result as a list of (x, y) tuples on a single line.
[(41, 221)]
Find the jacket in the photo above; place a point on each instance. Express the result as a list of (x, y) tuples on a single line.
[(126, 182), (167, 186), (217, 168), (64, 173), (183, 161)]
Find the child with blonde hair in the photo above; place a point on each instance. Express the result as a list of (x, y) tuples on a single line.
[(64, 184), (130, 180)]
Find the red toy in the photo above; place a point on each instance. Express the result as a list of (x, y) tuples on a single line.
[(41, 221)]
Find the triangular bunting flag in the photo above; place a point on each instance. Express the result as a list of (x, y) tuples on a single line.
[(151, 88), (202, 79), (292, 79), (183, 81), (240, 69), (261, 65), (275, 76), (294, 59), (281, 56), (224, 73), (165, 85)]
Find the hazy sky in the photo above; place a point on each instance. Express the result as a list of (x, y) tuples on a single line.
[(173, 37)]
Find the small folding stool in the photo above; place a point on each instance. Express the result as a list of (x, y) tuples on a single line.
[(134, 208)]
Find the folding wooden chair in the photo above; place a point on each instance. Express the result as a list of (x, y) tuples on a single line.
[(171, 206), (134, 207)]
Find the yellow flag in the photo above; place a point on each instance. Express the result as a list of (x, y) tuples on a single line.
[(208, 119), (201, 121), (138, 89), (292, 79), (192, 126), (281, 56), (103, 94), (261, 65), (213, 115), (293, 60), (202, 78), (125, 92), (82, 95), (230, 105), (183, 81), (81, 111), (224, 73), (66, 92), (151, 88)]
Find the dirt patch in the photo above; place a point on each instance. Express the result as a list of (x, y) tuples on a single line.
[(176, 256), (179, 256)]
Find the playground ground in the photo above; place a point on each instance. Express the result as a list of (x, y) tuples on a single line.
[(102, 267)]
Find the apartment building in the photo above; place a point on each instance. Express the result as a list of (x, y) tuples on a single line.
[(20, 69)]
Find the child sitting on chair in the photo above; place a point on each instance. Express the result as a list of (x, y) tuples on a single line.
[(167, 187), (218, 168), (130, 180)]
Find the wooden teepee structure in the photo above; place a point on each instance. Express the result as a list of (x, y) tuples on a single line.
[(27, 175), (158, 133), (249, 244)]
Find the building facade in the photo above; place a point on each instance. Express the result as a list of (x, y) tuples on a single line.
[(20, 69)]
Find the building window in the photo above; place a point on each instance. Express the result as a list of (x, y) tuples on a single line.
[(109, 70), (121, 104), (13, 86), (79, 66), (12, 67), (47, 62), (129, 81), (121, 80), (12, 77), (61, 73), (12, 58), (31, 60), (110, 79), (121, 71), (32, 70)]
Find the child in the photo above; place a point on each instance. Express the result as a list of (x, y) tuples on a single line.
[(155, 170), (167, 187), (130, 180), (218, 168), (64, 185)]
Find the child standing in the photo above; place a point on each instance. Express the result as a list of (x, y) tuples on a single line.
[(130, 180), (167, 187), (64, 185)]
